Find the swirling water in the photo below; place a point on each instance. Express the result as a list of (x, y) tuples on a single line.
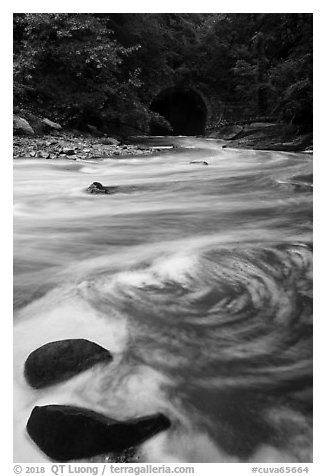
[(197, 278)]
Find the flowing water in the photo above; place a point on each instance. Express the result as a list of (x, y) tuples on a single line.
[(197, 278)]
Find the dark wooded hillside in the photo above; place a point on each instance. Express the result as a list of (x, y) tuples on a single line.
[(107, 69)]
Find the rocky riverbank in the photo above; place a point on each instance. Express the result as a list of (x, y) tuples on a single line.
[(42, 138), (74, 146), (264, 136)]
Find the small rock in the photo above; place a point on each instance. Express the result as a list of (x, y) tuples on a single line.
[(68, 151), (42, 154), (51, 124), (110, 141), (199, 162), (97, 187)]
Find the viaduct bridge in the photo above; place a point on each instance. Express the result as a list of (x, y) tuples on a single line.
[(191, 111)]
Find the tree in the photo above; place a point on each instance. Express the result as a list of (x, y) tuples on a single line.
[(72, 64), (106, 68)]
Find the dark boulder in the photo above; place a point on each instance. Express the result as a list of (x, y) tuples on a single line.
[(97, 187), (67, 433), (57, 361)]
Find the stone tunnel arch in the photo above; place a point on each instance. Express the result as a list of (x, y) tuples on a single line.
[(184, 108)]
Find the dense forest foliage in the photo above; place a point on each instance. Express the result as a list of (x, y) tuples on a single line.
[(105, 68)]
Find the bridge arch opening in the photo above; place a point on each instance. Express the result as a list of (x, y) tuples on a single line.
[(183, 108)]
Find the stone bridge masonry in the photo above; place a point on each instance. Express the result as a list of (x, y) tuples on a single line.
[(191, 111)]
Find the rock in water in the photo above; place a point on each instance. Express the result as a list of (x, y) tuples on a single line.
[(57, 361), (199, 162), (97, 187), (66, 433)]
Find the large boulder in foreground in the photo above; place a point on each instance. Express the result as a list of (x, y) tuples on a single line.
[(66, 433), (57, 361), (21, 126)]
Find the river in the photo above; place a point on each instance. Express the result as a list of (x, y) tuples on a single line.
[(197, 278)]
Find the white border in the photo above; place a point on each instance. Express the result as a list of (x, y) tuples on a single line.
[(316, 7)]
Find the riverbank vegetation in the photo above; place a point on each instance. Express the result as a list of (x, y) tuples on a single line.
[(87, 70)]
